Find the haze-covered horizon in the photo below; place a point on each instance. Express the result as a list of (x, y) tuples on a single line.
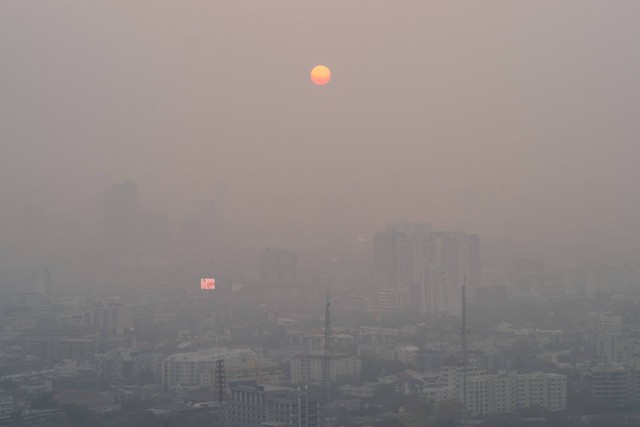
[(510, 120)]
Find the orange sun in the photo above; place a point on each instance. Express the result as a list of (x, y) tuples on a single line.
[(320, 75)]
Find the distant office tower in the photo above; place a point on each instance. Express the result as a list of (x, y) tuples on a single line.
[(121, 221), (192, 239), (613, 278), (278, 267), (156, 235), (398, 254), (431, 263)]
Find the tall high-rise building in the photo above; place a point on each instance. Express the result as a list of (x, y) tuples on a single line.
[(433, 264), (121, 221), (613, 278), (278, 267), (399, 253), (156, 235)]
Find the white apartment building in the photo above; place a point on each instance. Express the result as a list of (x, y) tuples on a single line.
[(309, 368), (503, 393), (543, 390), (199, 368), (436, 394), (315, 342), (106, 316), (405, 353), (126, 363), (597, 321), (6, 407)]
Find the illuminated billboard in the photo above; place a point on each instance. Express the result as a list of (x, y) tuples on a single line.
[(207, 284)]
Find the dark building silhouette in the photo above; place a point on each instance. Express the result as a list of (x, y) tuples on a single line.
[(431, 265), (278, 267), (121, 222)]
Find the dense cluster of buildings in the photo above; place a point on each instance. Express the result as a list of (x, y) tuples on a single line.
[(398, 333)]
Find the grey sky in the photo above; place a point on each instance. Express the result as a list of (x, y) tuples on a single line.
[(510, 119)]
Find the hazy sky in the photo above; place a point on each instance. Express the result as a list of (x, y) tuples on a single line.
[(507, 118)]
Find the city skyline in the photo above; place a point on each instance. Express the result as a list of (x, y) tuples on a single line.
[(357, 213)]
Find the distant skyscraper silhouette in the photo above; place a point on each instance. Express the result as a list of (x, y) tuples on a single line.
[(614, 278), (121, 221), (278, 267), (431, 263)]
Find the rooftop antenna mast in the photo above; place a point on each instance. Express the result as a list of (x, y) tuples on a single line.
[(326, 371), (221, 380), (220, 418), (464, 351)]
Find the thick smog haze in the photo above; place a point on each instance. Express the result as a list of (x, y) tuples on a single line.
[(514, 120), (356, 213)]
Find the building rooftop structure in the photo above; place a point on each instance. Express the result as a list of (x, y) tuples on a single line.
[(211, 355)]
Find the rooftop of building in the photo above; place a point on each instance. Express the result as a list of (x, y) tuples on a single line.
[(313, 355), (211, 355)]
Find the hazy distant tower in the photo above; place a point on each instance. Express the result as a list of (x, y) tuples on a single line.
[(399, 253), (278, 267), (121, 221), (430, 263)]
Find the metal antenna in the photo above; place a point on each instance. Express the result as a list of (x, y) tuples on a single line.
[(326, 374), (464, 351), (221, 380), (220, 420)]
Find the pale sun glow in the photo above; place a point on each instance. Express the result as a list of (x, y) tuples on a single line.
[(320, 75)]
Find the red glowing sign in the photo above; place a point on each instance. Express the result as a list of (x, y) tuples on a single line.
[(208, 284)]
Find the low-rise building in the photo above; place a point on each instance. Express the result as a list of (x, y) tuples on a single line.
[(504, 392), (309, 367), (616, 384), (363, 391), (61, 347), (256, 405), (405, 353), (6, 407), (128, 364), (542, 390), (598, 321), (436, 394), (199, 368)]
